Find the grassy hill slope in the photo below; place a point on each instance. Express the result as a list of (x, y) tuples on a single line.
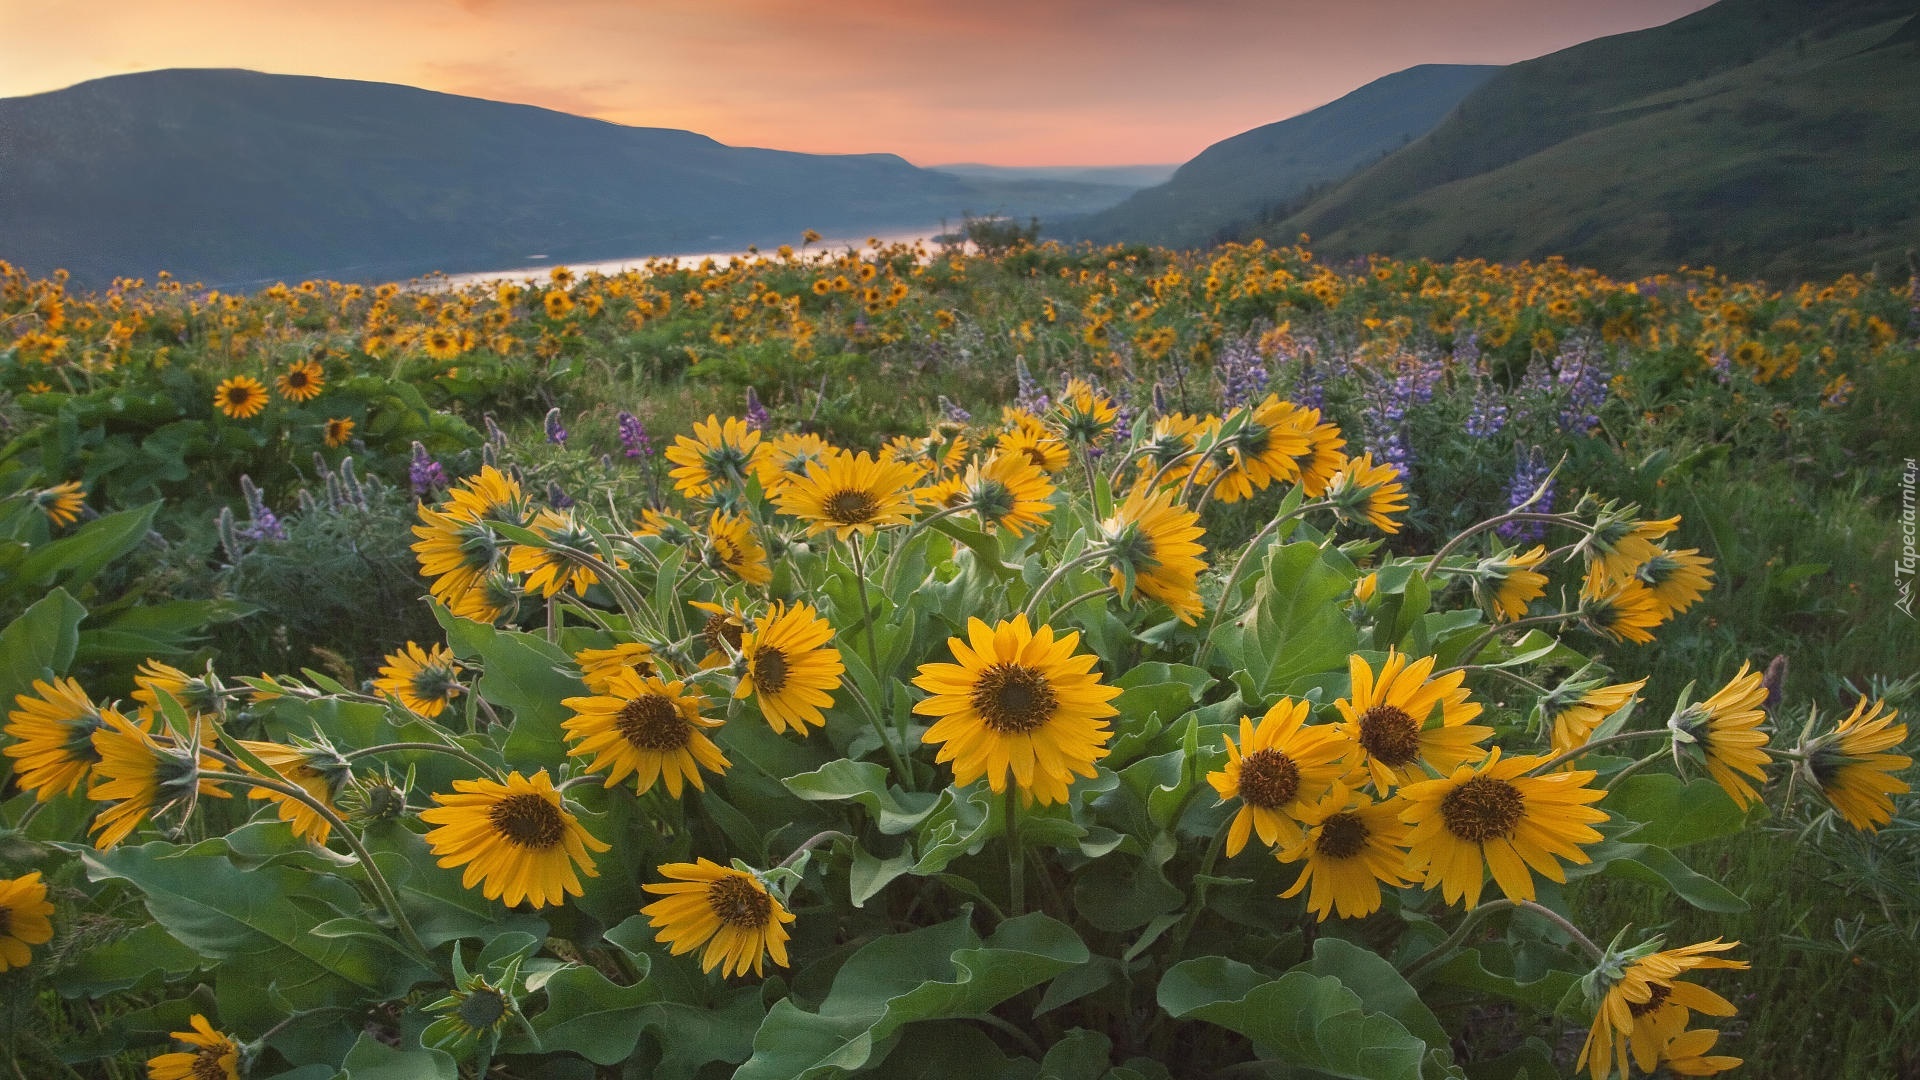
[(1274, 164), (237, 176), (1766, 137)]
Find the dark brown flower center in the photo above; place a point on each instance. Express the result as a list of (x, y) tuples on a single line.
[(1268, 778), (769, 669), (737, 903), (297, 379), (207, 1066), (653, 723), (720, 628), (1342, 836), (851, 507), (1482, 809), (1013, 699), (1390, 735), (528, 820), (240, 395), (1659, 998), (482, 1009), (6, 921)]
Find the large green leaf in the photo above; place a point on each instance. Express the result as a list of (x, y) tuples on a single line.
[(528, 675), (1295, 628), (1299, 1018), (1674, 813), (864, 782), (39, 644), (76, 558), (940, 972), (371, 1059), (1658, 866), (1379, 985)]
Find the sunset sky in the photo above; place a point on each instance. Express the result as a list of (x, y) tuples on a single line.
[(1007, 82)]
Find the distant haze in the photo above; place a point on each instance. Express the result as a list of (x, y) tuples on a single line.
[(1065, 82)]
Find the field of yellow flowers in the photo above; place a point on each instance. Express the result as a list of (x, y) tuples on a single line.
[(1054, 663)]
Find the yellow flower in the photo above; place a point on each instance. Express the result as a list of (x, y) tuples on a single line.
[(53, 735), (790, 667), (552, 567), (1037, 445), (1619, 544), (1676, 579), (302, 381), (214, 1056), (852, 494), (1688, 1054), (1363, 589), (725, 628), (1495, 817), (1152, 550), (786, 459), (1513, 582), (1268, 448), (1390, 719), (1854, 769), (1625, 610), (424, 680), (1008, 492), (240, 397), (1646, 1007), (61, 503), (733, 547), (1326, 454), (727, 910), (1365, 490), (140, 776), (647, 727), (1725, 731), (319, 772), (338, 431), (1018, 703), (720, 453), (599, 666), (199, 695), (516, 839), (1278, 769), (1352, 845), (1573, 711), (23, 919), (1085, 415)]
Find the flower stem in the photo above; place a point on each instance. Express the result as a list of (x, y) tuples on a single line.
[(439, 748), (1016, 864), (1596, 744), (1082, 598), (812, 842), (1441, 951), (1620, 777), (1059, 574)]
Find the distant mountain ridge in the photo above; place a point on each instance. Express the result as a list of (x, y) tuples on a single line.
[(240, 177), (1773, 138), (1209, 197)]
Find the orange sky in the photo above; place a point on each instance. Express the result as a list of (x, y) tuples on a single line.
[(1009, 82)]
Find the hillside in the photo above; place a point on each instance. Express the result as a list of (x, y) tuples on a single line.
[(235, 176), (1774, 138), (1273, 165)]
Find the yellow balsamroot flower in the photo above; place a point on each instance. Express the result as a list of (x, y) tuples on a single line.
[(550, 569), (23, 919), (1510, 582), (1676, 579), (1495, 817), (241, 397), (1152, 550), (1624, 610), (1645, 1007), (516, 839), (141, 778), (1085, 415), (199, 695), (1172, 436), (790, 667), (1574, 711), (1007, 492), (1618, 544), (599, 666), (442, 343), (1351, 845), (424, 680), (1363, 589), (1362, 489), (302, 381), (720, 454), (852, 493), (732, 545), (61, 503), (1325, 456), (493, 596), (1268, 448), (214, 1056), (337, 431), (488, 495), (1854, 770), (646, 727), (1019, 703), (725, 628), (1280, 767), (52, 733), (1725, 731), (1389, 719), (1689, 1054), (727, 910), (319, 772), (944, 494), (456, 547), (785, 459), (1038, 445)]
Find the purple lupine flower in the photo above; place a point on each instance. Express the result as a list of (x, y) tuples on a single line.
[(1529, 470), (1466, 352), (556, 432), (557, 496), (1583, 378), (633, 436), (1027, 393), (496, 436), (1489, 412), (757, 418), (1242, 371), (262, 522), (1722, 366), (950, 411), (424, 472)]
